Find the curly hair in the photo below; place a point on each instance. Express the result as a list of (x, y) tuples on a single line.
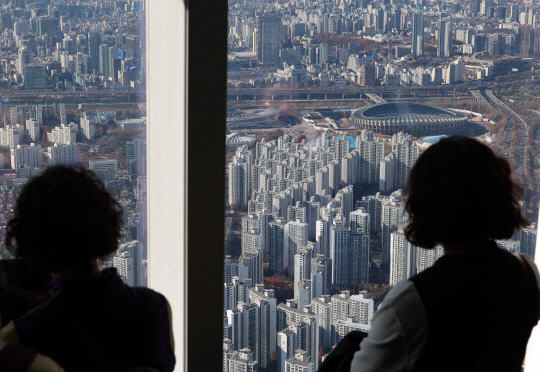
[(460, 192), (64, 219)]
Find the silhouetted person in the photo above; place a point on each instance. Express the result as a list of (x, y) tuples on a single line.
[(474, 309), (65, 223)]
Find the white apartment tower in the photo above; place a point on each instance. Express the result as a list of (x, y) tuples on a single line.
[(32, 126), (295, 236), (371, 152), (402, 258), (527, 240), (27, 155), (63, 154), (10, 135), (390, 221), (242, 361), (238, 182), (300, 362), (426, 257), (87, 128), (302, 269), (128, 263), (63, 134)]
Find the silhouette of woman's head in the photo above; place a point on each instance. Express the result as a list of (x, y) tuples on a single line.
[(64, 219), (461, 193)]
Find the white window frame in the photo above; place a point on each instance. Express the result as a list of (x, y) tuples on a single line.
[(180, 226)]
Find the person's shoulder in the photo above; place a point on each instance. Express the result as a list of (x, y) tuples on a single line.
[(403, 288), (530, 262), (150, 296)]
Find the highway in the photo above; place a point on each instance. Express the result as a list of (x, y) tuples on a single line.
[(11, 96), (516, 142), (354, 92)]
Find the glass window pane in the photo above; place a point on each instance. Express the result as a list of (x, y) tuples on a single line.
[(73, 80), (329, 105)]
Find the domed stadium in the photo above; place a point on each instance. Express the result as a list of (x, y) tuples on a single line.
[(414, 118), (239, 139), (252, 117)]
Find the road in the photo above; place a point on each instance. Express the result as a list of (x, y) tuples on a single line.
[(516, 142)]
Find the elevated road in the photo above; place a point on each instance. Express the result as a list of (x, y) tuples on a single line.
[(10, 96), (375, 98), (516, 139), (481, 99), (354, 92)]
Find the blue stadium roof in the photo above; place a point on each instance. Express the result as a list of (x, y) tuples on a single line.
[(352, 141), (434, 139)]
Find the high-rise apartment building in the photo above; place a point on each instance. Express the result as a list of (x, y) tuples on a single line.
[(444, 41), (26, 155), (11, 135), (63, 154), (240, 361), (527, 240), (402, 258), (278, 259), (339, 252), (371, 152), (128, 263), (407, 153), (63, 134), (417, 35), (32, 127), (236, 290), (321, 276), (239, 177), (87, 128), (295, 236), (426, 257), (390, 221)]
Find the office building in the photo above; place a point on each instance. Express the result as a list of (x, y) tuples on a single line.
[(104, 168), (35, 76), (94, 41), (268, 39), (47, 25)]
